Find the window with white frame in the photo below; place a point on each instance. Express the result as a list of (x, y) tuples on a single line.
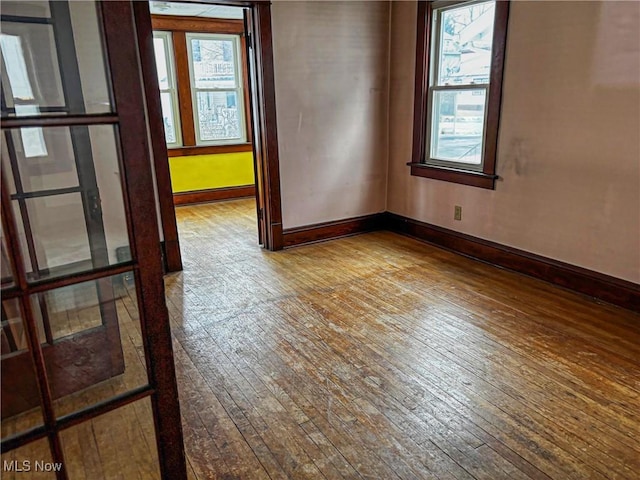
[(216, 88), (165, 67), (459, 64)]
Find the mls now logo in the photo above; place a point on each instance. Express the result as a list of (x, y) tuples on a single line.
[(29, 466)]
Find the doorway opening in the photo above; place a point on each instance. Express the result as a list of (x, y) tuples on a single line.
[(210, 80)]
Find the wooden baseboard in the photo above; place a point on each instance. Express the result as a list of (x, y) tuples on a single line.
[(215, 194), (610, 289), (330, 230)]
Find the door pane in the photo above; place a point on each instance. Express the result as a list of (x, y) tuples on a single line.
[(218, 117), (119, 444), (458, 125), (32, 461), (77, 227), (33, 52), (19, 387), (59, 233), (98, 350), (43, 157)]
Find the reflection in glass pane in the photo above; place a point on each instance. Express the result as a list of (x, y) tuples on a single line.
[(465, 44), (44, 158), (218, 116), (214, 63), (58, 230), (32, 461), (70, 310), (159, 48), (20, 398), (99, 348), (32, 8), (458, 125), (167, 117), (31, 52), (118, 444), (62, 231)]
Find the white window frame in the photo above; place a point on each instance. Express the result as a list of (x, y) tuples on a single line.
[(167, 38), (239, 89), (439, 7)]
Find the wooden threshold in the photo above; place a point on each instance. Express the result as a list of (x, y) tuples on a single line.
[(214, 194)]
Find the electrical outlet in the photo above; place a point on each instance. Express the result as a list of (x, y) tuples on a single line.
[(457, 212)]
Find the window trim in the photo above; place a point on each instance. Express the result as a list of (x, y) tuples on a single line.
[(486, 177)]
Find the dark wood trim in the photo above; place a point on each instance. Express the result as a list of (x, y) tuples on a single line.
[(421, 84), (209, 149), (332, 230), (214, 194), (183, 84), (474, 179), (494, 101), (172, 256), (197, 24), (120, 35), (604, 287), (266, 139), (486, 178)]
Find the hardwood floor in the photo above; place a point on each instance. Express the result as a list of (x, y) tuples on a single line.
[(368, 357), (380, 357)]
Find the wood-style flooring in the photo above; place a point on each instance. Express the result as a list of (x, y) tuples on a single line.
[(380, 357)]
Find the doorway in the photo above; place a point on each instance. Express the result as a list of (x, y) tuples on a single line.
[(256, 96)]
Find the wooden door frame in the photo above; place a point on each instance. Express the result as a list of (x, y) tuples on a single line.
[(265, 141)]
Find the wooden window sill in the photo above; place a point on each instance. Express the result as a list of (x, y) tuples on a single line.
[(209, 150), (454, 175)]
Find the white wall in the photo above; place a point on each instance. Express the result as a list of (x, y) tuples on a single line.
[(569, 148), (331, 76)]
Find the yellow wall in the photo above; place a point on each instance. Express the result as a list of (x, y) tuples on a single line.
[(204, 172)]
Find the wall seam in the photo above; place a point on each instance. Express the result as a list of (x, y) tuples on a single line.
[(388, 156)]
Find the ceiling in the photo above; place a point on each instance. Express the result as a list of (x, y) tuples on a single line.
[(194, 10)]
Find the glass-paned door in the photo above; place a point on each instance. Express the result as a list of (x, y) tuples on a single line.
[(84, 334)]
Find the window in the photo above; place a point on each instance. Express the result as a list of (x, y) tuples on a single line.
[(168, 91), (216, 88), (460, 56), (202, 80)]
